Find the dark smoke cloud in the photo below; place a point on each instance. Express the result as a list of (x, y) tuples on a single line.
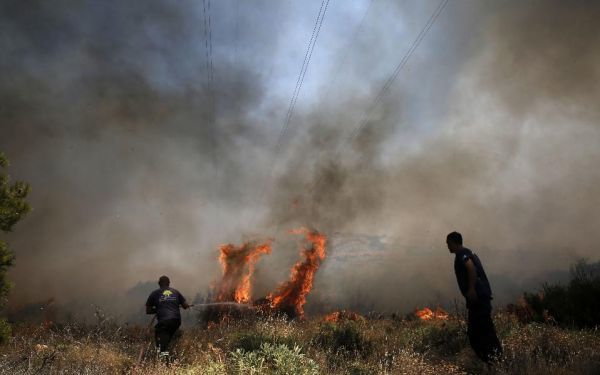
[(511, 166), (492, 130), (105, 112)]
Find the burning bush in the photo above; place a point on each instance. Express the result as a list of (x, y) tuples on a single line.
[(290, 297), (428, 314), (343, 315), (234, 290), (238, 267)]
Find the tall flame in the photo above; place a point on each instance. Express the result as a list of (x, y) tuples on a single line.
[(291, 295), (238, 267)]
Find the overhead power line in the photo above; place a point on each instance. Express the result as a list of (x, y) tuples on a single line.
[(388, 83), (299, 82), (212, 129), (302, 74), (347, 49)]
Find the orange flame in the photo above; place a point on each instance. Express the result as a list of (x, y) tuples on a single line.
[(238, 267), (338, 316), (292, 294), (428, 314)]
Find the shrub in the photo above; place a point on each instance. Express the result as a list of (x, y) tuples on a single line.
[(209, 368), (249, 341), (576, 304), (5, 330), (446, 339), (275, 359), (252, 340), (343, 337), (13, 207)]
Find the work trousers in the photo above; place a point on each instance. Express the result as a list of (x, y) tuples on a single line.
[(164, 331), (481, 331)]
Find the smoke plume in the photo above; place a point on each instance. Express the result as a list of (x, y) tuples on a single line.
[(491, 129)]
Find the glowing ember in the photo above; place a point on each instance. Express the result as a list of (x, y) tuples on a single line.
[(428, 314), (342, 315), (238, 267), (291, 296)]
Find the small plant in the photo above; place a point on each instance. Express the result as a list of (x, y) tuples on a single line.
[(5, 330), (275, 359), (248, 362), (446, 339), (249, 341), (343, 337)]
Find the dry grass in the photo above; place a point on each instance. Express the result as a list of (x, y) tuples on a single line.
[(392, 346)]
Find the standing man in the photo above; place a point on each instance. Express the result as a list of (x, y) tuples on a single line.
[(475, 287), (165, 302)]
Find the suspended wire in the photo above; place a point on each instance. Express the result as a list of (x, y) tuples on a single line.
[(347, 50), (388, 84), (299, 82), (302, 74), (237, 32), (211, 96), (363, 123), (209, 77)]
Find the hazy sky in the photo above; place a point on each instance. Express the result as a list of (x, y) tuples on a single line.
[(492, 128)]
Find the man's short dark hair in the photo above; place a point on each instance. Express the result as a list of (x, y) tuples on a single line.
[(164, 281), (454, 237)]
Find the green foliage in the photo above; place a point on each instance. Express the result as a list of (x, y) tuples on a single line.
[(273, 359), (576, 304), (12, 199), (248, 362), (210, 367), (360, 368), (252, 340), (343, 337), (445, 339), (13, 207), (77, 349), (5, 330)]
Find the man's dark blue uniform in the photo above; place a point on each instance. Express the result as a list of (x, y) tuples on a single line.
[(165, 303), (475, 287)]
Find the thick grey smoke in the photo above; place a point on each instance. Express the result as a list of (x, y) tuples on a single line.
[(105, 111), (511, 164), (491, 129)]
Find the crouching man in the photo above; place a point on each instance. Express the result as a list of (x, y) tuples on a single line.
[(165, 302), (475, 287)]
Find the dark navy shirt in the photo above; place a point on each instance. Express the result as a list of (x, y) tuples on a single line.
[(167, 302), (482, 285)]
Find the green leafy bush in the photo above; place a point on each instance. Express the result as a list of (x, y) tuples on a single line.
[(249, 341), (273, 359), (446, 339), (5, 330), (343, 337), (13, 207), (576, 304), (252, 340)]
